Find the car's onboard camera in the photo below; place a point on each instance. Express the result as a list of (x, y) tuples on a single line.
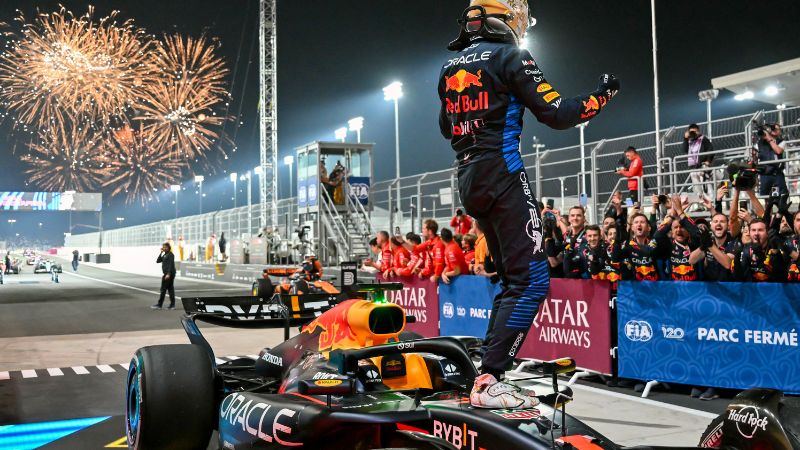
[(354, 378)]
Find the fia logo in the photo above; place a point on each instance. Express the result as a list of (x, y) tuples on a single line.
[(447, 310), (638, 331)]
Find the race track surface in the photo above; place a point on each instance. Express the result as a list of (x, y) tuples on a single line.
[(65, 349)]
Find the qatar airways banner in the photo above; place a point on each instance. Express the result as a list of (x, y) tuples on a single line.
[(573, 321), (420, 299), (729, 335)]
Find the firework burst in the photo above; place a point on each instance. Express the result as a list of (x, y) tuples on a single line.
[(69, 161), (178, 109), (65, 70), (138, 169)]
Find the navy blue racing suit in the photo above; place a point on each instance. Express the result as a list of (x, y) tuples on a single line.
[(484, 90)]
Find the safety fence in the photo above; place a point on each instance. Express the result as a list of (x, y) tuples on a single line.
[(559, 173), (730, 335)]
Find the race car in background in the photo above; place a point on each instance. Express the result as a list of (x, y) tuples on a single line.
[(354, 379), (46, 266)]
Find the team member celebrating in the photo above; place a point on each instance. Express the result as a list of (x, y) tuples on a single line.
[(484, 90)]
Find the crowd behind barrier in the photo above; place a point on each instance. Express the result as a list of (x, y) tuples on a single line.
[(720, 334)]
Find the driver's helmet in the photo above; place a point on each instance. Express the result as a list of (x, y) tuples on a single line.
[(515, 14)]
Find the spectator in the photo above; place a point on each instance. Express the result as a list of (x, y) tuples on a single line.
[(792, 248), (553, 242), (461, 223), (223, 244), (210, 248), (719, 250), (468, 246), (75, 258), (483, 265), (771, 147), (400, 257), (180, 248), (455, 264), (167, 261), (638, 252), (635, 169), (575, 264), (417, 257), (385, 255), (685, 239), (699, 149), (761, 259), (435, 247), (369, 264)]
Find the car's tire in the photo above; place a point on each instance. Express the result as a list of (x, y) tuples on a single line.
[(170, 398), (712, 436)]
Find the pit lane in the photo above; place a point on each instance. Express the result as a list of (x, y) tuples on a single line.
[(64, 350)]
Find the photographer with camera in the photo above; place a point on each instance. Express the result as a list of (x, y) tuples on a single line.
[(771, 147), (699, 149)]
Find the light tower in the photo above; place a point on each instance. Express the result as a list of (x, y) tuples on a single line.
[(268, 112)]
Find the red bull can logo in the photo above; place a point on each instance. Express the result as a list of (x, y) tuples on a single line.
[(462, 80)]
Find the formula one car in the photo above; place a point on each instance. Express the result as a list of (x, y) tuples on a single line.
[(353, 379), (45, 266)]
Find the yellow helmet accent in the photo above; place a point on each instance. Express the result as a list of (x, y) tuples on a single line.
[(517, 11)]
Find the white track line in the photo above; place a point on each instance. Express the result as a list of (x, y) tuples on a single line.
[(253, 356), (115, 284), (5, 376), (29, 374), (126, 366), (220, 360), (646, 401), (80, 370), (55, 372), (105, 368)]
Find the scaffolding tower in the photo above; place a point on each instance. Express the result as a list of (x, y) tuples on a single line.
[(268, 113)]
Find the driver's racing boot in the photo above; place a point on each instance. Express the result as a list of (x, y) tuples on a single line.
[(490, 393)]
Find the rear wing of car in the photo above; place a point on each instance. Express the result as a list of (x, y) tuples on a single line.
[(281, 311)]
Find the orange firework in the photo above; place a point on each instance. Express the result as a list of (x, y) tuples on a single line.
[(137, 169), (65, 70), (67, 161), (178, 108)]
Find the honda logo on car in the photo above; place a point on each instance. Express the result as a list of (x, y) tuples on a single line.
[(638, 331), (272, 359), (255, 419), (748, 421)]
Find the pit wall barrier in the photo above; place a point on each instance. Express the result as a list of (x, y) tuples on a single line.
[(729, 335), (575, 320)]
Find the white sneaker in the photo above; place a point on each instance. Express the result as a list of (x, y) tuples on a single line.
[(490, 393)]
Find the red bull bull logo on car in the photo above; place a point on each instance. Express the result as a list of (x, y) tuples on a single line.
[(462, 80)]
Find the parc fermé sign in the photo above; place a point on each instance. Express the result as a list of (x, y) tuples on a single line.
[(573, 321), (420, 299), (729, 335)]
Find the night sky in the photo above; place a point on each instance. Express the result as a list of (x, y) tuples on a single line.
[(335, 56)]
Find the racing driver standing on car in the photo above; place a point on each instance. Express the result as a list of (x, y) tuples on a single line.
[(484, 90)]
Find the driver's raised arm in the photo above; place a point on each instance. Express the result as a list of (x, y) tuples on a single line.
[(527, 82)]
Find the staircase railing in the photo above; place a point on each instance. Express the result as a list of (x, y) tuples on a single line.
[(360, 217), (335, 226)]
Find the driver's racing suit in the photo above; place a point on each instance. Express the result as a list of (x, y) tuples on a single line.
[(484, 90)]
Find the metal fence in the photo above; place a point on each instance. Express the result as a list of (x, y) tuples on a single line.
[(557, 174)]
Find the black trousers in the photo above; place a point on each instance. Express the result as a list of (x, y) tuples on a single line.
[(167, 285), (496, 191)]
